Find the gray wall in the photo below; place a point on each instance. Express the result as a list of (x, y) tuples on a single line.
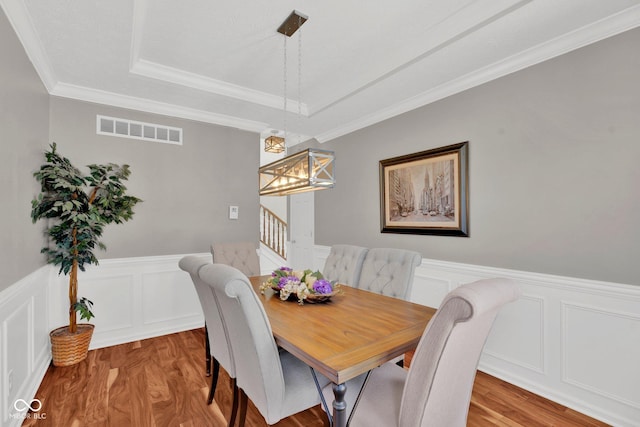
[(24, 122), (554, 175), (186, 189)]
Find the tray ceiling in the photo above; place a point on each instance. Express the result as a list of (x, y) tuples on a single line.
[(362, 61)]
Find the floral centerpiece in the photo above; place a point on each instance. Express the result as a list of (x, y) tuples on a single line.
[(303, 285)]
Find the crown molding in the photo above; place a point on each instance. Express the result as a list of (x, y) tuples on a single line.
[(199, 82), (157, 71), (80, 93), (600, 30), (20, 19)]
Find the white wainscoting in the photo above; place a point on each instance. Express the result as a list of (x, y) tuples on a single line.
[(269, 260), (134, 298), (574, 341), (24, 342)]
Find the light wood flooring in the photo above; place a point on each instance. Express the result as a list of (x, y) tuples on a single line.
[(161, 382)]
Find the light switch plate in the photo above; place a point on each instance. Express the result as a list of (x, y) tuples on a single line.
[(233, 212)]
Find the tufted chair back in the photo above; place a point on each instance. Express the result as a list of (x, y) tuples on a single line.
[(344, 263), (240, 255), (389, 271)]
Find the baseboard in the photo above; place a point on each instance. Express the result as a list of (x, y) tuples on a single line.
[(127, 337), (585, 407)]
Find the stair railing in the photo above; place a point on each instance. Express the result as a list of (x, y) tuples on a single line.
[(273, 231)]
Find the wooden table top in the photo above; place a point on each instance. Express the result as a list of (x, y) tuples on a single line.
[(354, 332)]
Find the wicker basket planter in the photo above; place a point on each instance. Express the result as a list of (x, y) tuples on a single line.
[(68, 349)]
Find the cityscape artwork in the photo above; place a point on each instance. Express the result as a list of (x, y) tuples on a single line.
[(426, 192)]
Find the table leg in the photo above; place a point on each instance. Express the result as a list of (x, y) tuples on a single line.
[(339, 405)]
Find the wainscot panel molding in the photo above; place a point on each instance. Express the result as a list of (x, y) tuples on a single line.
[(269, 260), (570, 340), (24, 342), (135, 298), (573, 341)]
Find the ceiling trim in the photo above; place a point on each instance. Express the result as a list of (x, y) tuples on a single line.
[(168, 74), (157, 71), (80, 93), (20, 19), (600, 30), (137, 28), (435, 32)]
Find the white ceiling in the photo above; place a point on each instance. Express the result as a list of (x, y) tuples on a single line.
[(362, 61)]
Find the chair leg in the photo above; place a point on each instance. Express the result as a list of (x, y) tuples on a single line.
[(214, 380), (243, 408), (234, 403), (207, 348)]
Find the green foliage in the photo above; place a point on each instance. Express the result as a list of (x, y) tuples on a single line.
[(77, 208), (84, 308), (64, 199)]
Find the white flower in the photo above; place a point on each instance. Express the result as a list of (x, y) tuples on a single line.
[(287, 290), (310, 280), (302, 291)]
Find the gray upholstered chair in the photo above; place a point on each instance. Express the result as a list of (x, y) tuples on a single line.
[(389, 272), (344, 263), (217, 345), (436, 390), (277, 383), (241, 255)]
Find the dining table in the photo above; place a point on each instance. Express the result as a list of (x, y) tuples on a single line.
[(352, 333)]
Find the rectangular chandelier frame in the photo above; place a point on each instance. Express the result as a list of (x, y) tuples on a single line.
[(308, 170), (274, 144)]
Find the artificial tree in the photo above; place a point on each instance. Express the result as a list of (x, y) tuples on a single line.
[(78, 207)]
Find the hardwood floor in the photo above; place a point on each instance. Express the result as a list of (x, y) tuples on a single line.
[(161, 382)]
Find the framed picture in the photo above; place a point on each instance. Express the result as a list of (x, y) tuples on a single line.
[(426, 192)]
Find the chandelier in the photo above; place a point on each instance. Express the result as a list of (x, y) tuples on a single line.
[(308, 170), (274, 144)]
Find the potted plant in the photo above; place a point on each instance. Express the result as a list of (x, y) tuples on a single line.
[(77, 208)]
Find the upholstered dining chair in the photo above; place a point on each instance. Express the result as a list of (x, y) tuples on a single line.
[(344, 263), (277, 383), (241, 255), (436, 390), (389, 271), (217, 345)]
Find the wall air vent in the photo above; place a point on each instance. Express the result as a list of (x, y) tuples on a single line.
[(138, 130)]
